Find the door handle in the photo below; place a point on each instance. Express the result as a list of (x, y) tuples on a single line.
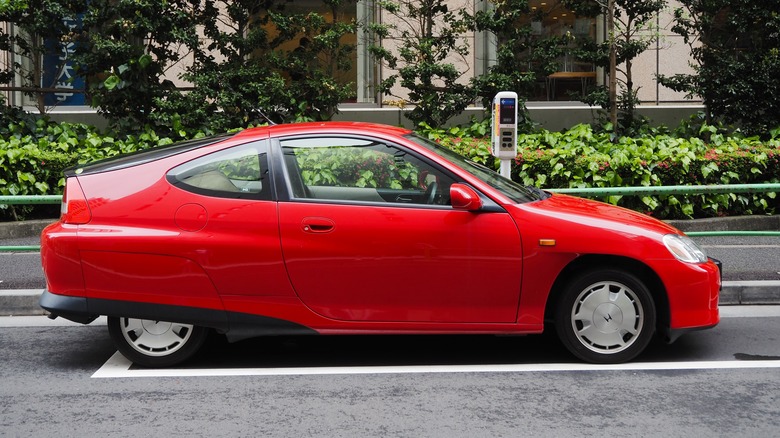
[(317, 225)]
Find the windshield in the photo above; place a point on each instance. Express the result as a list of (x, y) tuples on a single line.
[(512, 190)]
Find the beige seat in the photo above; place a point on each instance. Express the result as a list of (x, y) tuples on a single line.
[(211, 180)]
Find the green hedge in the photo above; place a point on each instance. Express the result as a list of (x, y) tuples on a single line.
[(32, 159), (582, 158)]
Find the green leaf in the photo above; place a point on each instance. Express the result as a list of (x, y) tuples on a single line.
[(112, 82), (144, 61), (650, 202)]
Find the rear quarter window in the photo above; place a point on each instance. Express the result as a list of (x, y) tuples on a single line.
[(237, 172)]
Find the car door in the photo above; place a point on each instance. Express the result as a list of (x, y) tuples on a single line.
[(369, 235)]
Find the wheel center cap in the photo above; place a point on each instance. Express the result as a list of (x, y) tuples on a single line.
[(608, 318), (156, 327)]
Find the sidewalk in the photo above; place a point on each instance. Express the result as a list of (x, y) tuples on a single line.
[(25, 301)]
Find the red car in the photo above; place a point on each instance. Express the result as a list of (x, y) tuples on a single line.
[(350, 228)]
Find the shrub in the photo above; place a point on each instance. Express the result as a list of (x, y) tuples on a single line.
[(429, 36), (581, 158), (34, 154), (468, 140), (584, 158), (734, 48)]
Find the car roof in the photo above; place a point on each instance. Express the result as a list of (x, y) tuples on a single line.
[(140, 157), (307, 127)]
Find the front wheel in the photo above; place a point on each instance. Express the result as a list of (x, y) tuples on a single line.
[(153, 343), (606, 316)]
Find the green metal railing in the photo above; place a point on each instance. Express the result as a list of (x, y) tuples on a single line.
[(591, 191), (27, 200), (30, 200), (670, 190)]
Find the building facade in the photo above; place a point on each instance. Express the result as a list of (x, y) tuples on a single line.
[(550, 104)]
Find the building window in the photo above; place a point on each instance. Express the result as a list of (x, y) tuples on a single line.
[(360, 74), (560, 74), (573, 76)]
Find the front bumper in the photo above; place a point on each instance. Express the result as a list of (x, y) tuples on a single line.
[(694, 293)]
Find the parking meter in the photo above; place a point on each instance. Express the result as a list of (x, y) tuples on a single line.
[(505, 129)]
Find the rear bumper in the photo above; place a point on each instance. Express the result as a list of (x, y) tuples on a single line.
[(61, 260), (235, 325), (71, 308), (85, 310)]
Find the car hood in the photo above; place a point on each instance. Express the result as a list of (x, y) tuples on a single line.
[(577, 213)]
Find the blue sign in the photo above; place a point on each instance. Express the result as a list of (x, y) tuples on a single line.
[(58, 70)]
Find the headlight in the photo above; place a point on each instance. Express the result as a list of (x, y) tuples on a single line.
[(684, 249)]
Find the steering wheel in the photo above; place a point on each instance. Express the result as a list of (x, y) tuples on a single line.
[(430, 193)]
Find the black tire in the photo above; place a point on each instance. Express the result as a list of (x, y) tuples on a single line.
[(155, 344), (605, 316)]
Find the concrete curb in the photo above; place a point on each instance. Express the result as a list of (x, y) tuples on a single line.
[(22, 302), (16, 230), (750, 292)]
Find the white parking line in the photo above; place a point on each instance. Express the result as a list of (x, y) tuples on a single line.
[(44, 321), (759, 246), (119, 367)]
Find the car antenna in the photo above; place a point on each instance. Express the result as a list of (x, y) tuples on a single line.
[(263, 115)]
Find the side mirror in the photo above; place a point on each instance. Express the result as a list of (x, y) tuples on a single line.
[(464, 197)]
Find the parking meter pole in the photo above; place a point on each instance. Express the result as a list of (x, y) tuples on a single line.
[(504, 137), (506, 168)]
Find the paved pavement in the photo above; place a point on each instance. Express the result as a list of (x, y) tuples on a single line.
[(25, 301)]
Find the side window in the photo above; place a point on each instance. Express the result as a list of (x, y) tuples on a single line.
[(238, 172), (350, 169)]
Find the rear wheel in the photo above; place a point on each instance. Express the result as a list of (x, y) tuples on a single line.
[(606, 316), (152, 343)]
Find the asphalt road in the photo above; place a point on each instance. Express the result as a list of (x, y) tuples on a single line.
[(744, 258), (62, 379)]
